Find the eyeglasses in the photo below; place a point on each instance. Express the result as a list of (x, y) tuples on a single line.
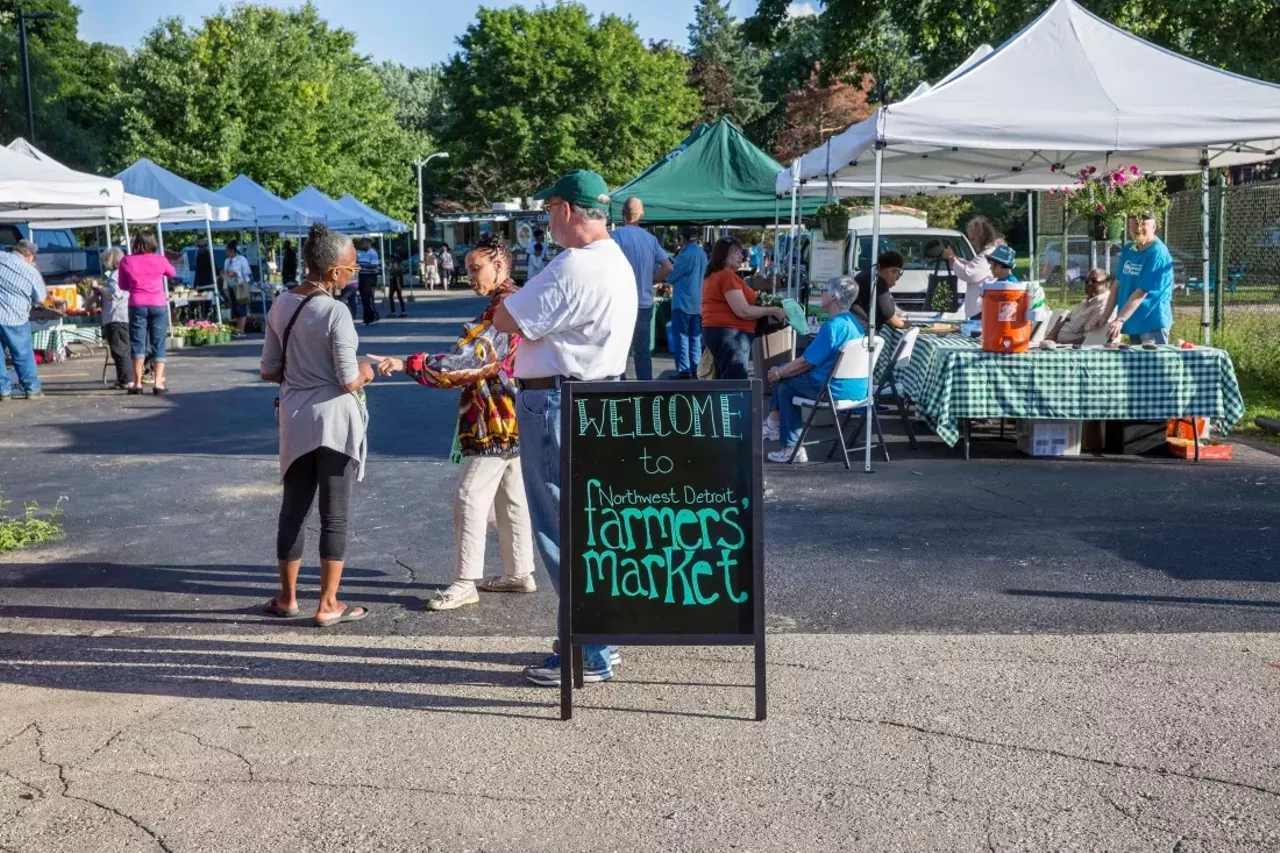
[(351, 268)]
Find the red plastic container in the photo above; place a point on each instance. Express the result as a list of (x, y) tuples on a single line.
[(1005, 327)]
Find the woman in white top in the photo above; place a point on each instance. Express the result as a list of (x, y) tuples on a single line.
[(237, 277), (974, 273)]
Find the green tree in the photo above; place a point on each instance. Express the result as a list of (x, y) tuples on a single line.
[(73, 85), (725, 70), (934, 36), (278, 95), (533, 93), (418, 94)]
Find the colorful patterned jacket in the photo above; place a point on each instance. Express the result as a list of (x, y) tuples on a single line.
[(481, 364)]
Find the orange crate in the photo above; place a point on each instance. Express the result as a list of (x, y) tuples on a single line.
[(1210, 449)]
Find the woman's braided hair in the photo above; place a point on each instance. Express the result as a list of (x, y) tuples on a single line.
[(497, 250)]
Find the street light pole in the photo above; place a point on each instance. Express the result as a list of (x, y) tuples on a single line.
[(23, 17), (422, 228)]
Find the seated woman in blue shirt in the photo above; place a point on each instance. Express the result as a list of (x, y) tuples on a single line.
[(805, 376)]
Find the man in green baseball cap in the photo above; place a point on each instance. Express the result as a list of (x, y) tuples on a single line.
[(581, 187), (575, 320)]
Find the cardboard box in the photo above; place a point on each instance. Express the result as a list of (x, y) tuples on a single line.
[(766, 284), (1049, 437), (772, 350)]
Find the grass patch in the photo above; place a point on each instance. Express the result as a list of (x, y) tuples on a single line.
[(1254, 344), (33, 527)]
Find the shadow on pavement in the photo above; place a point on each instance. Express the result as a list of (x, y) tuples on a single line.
[(1179, 600), (266, 672)]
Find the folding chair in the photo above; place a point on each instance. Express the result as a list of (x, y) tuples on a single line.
[(889, 383), (851, 364)]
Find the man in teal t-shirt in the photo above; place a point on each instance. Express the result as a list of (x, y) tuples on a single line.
[(805, 376), (1145, 286)]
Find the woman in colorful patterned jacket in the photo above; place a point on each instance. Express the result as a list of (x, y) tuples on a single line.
[(480, 363)]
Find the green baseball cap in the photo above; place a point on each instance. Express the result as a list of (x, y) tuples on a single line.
[(581, 187)]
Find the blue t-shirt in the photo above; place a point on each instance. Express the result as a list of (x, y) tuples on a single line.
[(644, 253), (1150, 270), (686, 276), (757, 257), (825, 349)]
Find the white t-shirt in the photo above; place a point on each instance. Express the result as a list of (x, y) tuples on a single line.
[(239, 265), (577, 315)]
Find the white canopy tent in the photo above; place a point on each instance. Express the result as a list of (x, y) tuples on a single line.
[(28, 185), (1058, 96), (133, 208)]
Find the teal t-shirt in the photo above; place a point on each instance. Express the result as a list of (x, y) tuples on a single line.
[(1150, 270), (825, 349)]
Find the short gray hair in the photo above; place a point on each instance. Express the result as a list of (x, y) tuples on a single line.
[(324, 248), (845, 290), (26, 247), (111, 257), (589, 213)]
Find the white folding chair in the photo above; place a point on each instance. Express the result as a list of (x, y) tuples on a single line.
[(1045, 327), (851, 364), (890, 384)]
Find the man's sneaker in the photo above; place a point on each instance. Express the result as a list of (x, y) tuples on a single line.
[(770, 430), (33, 395), (514, 583), (615, 652), (547, 674), (784, 455), (453, 596)]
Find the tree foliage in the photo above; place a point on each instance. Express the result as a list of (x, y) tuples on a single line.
[(816, 111), (418, 93), (726, 72), (904, 42), (73, 84), (277, 95), (533, 93)]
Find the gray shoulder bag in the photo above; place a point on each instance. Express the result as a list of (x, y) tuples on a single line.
[(284, 343)]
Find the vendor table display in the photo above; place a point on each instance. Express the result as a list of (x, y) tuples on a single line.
[(56, 336), (952, 380)]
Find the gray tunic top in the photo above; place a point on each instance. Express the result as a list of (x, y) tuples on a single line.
[(314, 410)]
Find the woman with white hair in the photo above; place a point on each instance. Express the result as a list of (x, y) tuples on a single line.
[(805, 376)]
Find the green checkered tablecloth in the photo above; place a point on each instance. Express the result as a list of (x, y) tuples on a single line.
[(57, 337), (951, 379)]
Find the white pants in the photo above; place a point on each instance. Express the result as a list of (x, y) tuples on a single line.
[(491, 482)]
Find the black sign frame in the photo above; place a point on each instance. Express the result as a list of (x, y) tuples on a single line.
[(571, 642)]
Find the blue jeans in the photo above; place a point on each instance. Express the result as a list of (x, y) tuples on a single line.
[(1159, 336), (731, 349), (642, 344), (688, 329), (148, 322), (791, 416), (538, 419), (17, 340)]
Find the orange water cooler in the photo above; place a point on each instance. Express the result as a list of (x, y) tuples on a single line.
[(1006, 321)]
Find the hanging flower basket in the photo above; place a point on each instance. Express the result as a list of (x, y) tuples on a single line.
[(833, 219), (1106, 199)]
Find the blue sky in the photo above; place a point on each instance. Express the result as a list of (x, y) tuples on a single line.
[(414, 32)]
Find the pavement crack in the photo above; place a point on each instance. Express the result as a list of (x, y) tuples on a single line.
[(346, 786), (11, 739), (66, 793), (1057, 753), (247, 764), (991, 844)]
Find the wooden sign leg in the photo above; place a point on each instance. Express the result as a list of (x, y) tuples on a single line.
[(566, 681), (761, 691), (577, 667)]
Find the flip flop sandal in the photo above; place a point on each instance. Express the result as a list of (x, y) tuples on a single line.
[(273, 609), (346, 616)]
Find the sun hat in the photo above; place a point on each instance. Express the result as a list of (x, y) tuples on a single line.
[(1002, 255)]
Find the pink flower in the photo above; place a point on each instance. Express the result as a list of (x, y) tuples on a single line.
[(1092, 169), (1101, 209), (1134, 170), (1120, 178)]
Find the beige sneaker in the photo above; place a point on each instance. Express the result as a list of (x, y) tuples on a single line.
[(453, 596), (505, 583)]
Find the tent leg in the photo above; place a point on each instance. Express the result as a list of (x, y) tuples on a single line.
[(382, 264), (217, 303), (1031, 235), (262, 267), (160, 240), (871, 302), (124, 224), (1205, 321), (776, 219)]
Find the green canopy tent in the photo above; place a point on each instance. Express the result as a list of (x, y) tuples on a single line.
[(715, 175)]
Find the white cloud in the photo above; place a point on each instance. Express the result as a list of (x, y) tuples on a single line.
[(801, 9)]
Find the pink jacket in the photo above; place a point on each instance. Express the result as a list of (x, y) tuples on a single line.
[(143, 277)]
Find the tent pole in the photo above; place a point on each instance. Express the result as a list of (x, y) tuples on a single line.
[(106, 226), (1205, 323), (773, 271), (124, 223), (871, 302), (163, 278), (792, 273), (262, 269), (217, 303), (1031, 235)]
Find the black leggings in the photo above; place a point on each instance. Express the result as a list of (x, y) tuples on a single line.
[(396, 288), (333, 473)]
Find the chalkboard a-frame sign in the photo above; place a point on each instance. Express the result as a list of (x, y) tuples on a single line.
[(661, 522)]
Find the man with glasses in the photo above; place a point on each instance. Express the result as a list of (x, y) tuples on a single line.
[(1090, 314), (575, 319)]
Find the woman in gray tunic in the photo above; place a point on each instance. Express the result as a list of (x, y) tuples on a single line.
[(310, 349)]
